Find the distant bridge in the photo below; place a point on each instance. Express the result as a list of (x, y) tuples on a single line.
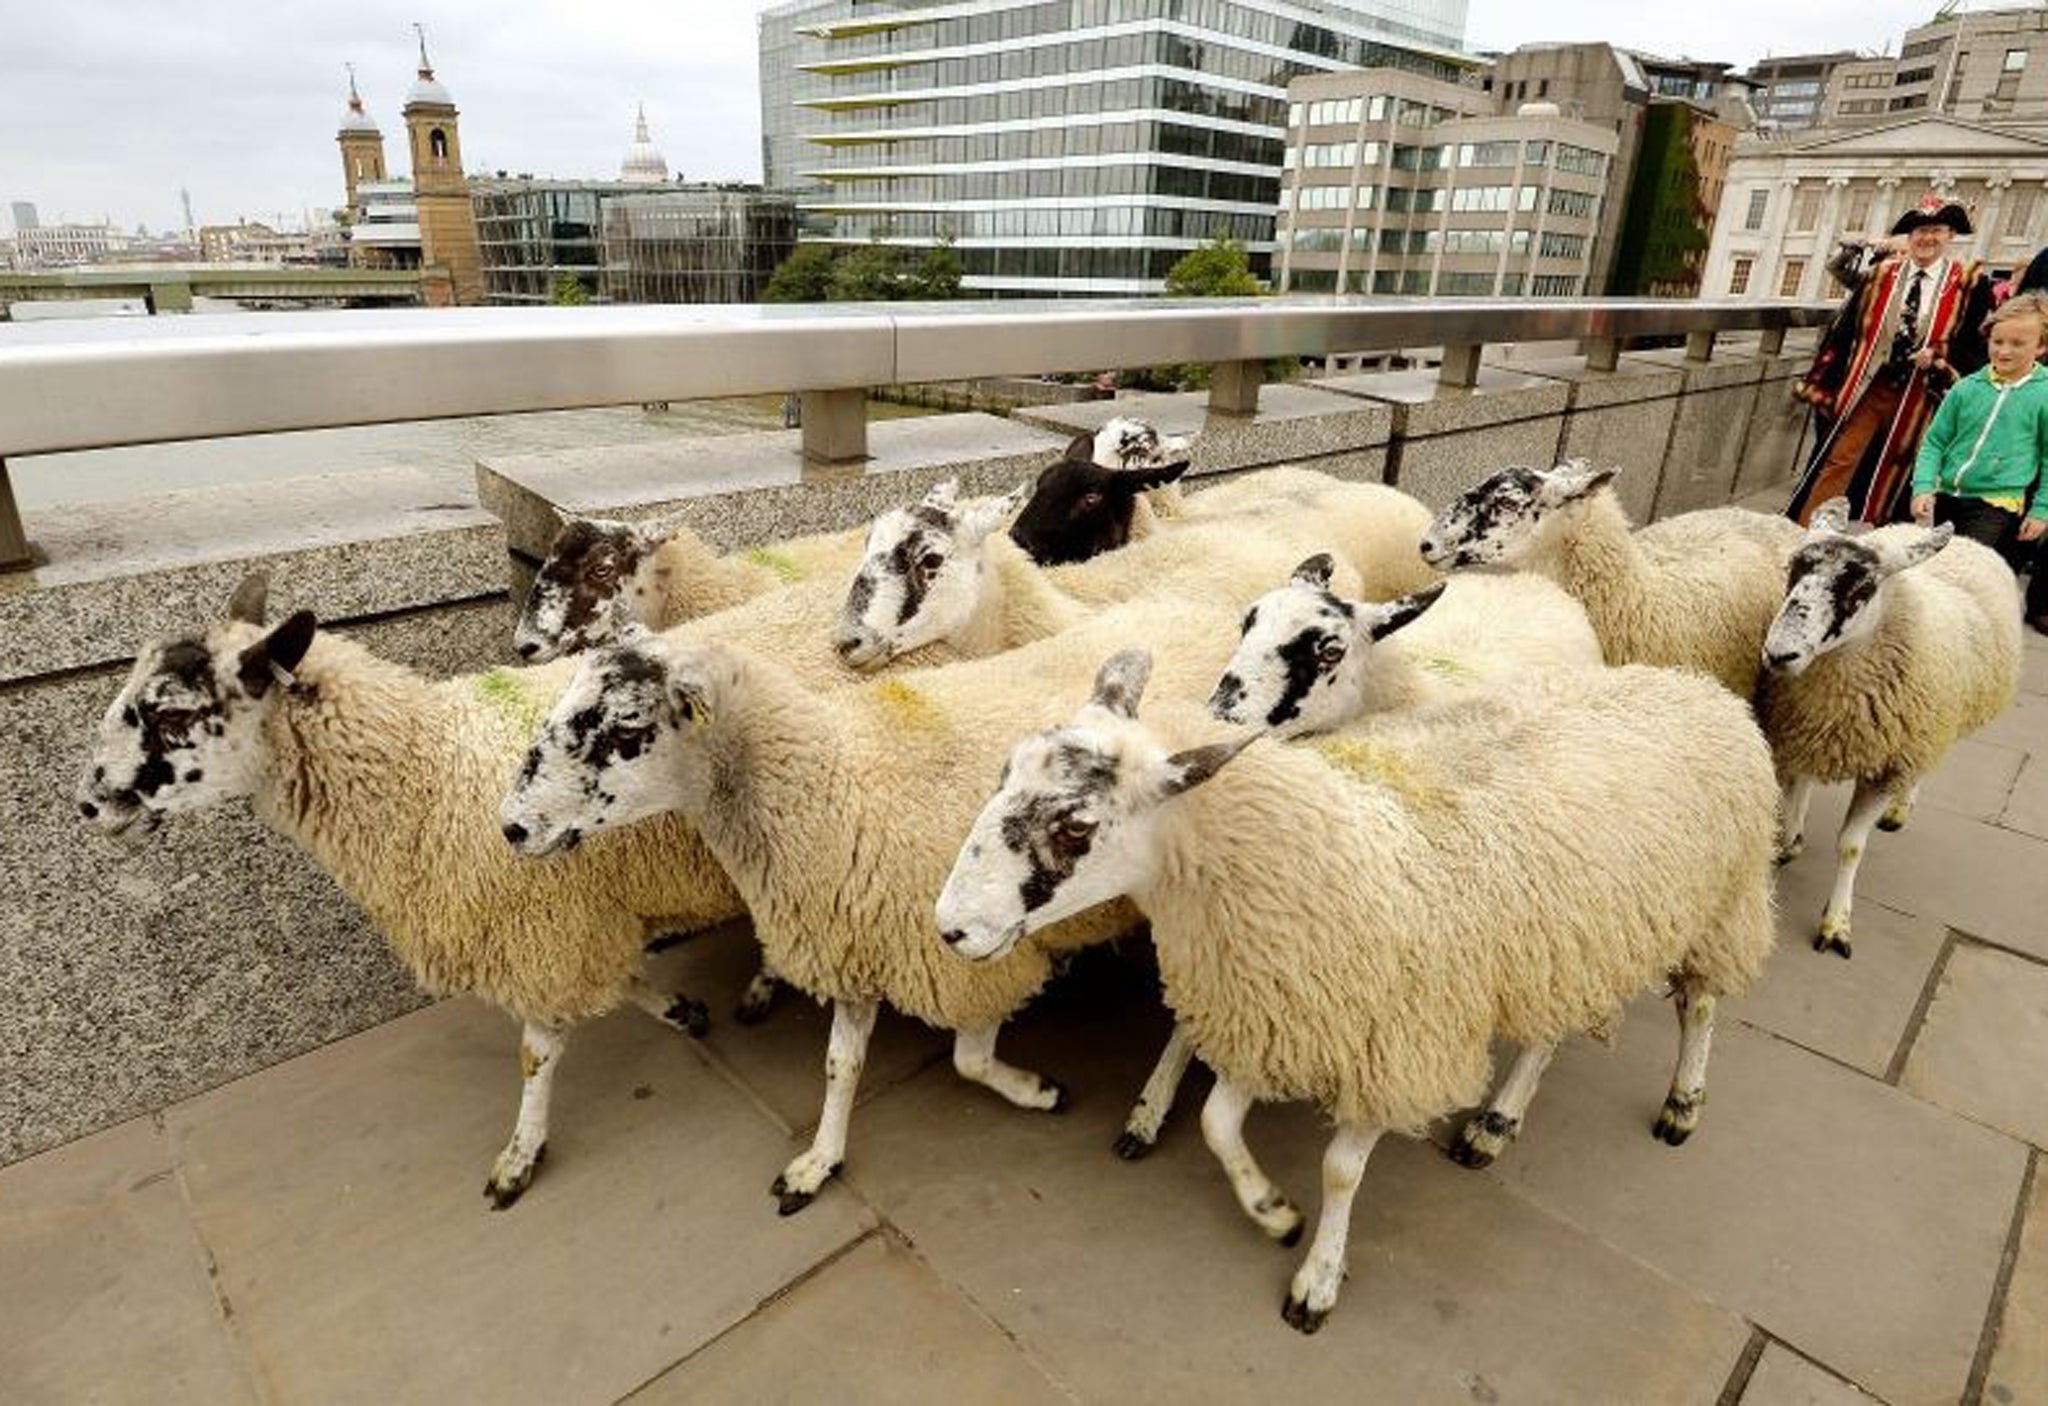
[(171, 287)]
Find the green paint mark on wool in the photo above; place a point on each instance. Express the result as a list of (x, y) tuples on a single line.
[(503, 693), (907, 707), (1376, 762), (781, 563), (1444, 666)]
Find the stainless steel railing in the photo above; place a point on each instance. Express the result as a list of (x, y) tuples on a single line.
[(99, 384)]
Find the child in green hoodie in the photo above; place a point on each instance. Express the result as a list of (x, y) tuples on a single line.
[(1983, 455)]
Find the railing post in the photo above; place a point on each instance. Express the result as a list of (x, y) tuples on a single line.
[(1234, 387), (835, 426), (1603, 353), (1699, 346), (1461, 366), (1772, 342), (14, 552)]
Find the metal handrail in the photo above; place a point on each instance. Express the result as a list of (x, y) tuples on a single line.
[(105, 383)]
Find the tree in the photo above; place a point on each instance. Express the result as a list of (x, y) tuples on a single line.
[(1219, 269), (874, 273), (569, 292), (938, 272), (803, 277)]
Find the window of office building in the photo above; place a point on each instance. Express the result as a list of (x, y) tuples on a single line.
[(1563, 246), (1579, 161), (1464, 285), (1759, 200), (2015, 60), (1487, 153), (1573, 204), (1554, 285), (1856, 216), (1788, 284), (1806, 208), (1738, 280)]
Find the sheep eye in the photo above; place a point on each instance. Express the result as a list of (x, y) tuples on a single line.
[(173, 719), (604, 572), (1330, 651), (1072, 833), (1089, 502), (930, 563)]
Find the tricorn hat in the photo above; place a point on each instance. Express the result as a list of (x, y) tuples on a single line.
[(1933, 210)]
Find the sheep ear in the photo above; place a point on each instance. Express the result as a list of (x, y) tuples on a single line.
[(1081, 448), (1316, 571), (943, 495), (272, 658), (1120, 682), (1830, 519), (251, 599), (1152, 476), (1575, 479), (1895, 557), (1183, 771), (1382, 620), (981, 518)]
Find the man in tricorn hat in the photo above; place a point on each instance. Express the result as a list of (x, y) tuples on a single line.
[(1910, 328)]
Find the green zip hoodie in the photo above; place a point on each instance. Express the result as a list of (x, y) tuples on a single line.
[(1987, 441)]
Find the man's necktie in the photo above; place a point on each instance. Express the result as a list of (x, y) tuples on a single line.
[(1909, 323)]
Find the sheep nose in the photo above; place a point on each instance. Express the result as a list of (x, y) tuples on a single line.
[(1778, 659), (528, 650), (515, 833), (953, 937), (88, 810)]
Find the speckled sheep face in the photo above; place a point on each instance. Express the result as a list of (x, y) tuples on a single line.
[(1072, 822), (597, 580), (613, 750), (1500, 522), (1304, 656), (1834, 592), (1083, 505), (1125, 443), (921, 578), (186, 730)]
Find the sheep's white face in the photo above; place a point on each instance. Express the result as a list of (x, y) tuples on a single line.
[(1500, 521), (922, 576), (1304, 656), (1125, 443), (1073, 822), (598, 579), (1834, 591), (186, 730), (615, 749)]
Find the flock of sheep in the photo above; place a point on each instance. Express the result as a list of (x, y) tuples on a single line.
[(1417, 812)]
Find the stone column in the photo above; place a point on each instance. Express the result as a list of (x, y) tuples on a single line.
[(1811, 277), (1995, 188), (1777, 215)]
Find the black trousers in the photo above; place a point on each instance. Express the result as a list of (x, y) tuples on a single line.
[(1976, 519)]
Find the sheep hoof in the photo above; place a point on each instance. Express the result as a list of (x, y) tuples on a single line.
[(789, 1200), (1791, 850), (1131, 1147), (504, 1188), (1293, 1237), (1301, 1317), (693, 1018), (1483, 1139), (1831, 942), (1061, 1099), (1891, 824), (1675, 1123), (755, 1002)]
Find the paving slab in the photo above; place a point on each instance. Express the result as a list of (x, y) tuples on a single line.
[(340, 1197), (1837, 1213), (105, 1285), (1784, 1378), (1984, 880), (2034, 663), (1985, 1044), (1112, 1273), (874, 1325), (2026, 808), (2019, 1363), (1975, 779), (1855, 1011), (2023, 726), (781, 1061)]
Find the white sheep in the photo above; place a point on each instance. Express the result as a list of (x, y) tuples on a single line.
[(1888, 647), (933, 576), (1351, 922), (836, 815), (602, 576), (391, 782), (1694, 591)]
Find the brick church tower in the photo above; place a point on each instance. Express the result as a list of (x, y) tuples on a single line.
[(447, 220)]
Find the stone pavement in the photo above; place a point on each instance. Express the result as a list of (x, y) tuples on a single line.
[(1862, 1214)]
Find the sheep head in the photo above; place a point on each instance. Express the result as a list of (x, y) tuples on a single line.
[(1304, 654), (921, 577), (1499, 521), (1072, 822), (186, 729), (1834, 586), (598, 579)]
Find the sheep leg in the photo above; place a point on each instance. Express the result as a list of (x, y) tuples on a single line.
[(759, 995), (1900, 810), (1314, 1291), (671, 1008), (974, 1058), (1681, 1112), (847, 1050), (1141, 1129), (540, 1050), (1798, 790), (1864, 807), (1223, 1129), (1488, 1134)]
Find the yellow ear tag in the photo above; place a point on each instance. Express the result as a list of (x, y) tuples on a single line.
[(700, 716)]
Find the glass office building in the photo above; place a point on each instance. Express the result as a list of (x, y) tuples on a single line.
[(1065, 147)]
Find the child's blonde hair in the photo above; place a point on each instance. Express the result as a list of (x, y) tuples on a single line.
[(2032, 304)]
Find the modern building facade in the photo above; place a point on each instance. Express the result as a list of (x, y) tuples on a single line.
[(59, 245), (24, 214), (1788, 202), (696, 244), (1791, 90), (1397, 184), (533, 233), (1064, 147), (1988, 66)]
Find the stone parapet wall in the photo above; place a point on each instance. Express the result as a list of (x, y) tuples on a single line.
[(130, 978)]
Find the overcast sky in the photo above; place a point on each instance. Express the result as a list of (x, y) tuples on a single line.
[(108, 107)]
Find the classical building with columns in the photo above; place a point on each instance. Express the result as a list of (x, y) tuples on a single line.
[(1787, 202)]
